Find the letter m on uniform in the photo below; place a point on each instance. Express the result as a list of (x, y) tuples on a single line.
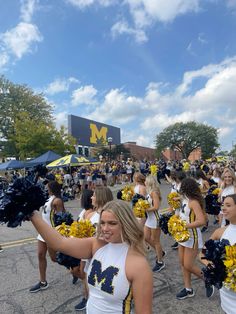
[(103, 278), (97, 134)]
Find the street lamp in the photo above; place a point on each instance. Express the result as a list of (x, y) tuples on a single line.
[(109, 140)]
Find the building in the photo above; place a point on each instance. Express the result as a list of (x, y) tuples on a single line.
[(169, 154), (89, 133), (139, 152)]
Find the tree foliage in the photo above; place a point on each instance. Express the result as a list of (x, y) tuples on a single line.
[(26, 123), (186, 137), (32, 141)]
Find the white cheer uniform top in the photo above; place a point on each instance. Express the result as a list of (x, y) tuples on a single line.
[(109, 288), (152, 216), (228, 297), (188, 215), (136, 189), (94, 219), (47, 214)]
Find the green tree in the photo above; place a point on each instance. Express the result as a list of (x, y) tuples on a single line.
[(32, 141), (15, 99), (186, 137)]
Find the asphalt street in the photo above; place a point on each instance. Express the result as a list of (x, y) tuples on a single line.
[(19, 271)]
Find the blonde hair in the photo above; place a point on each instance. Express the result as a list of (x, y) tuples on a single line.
[(152, 185), (131, 230), (228, 171), (103, 195)]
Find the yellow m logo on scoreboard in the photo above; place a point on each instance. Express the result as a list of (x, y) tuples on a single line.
[(98, 134)]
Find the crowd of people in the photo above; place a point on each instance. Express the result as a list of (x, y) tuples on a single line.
[(114, 266)]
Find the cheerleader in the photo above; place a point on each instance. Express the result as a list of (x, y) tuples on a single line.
[(192, 211), (152, 231), (228, 297), (140, 188), (118, 271), (53, 205), (93, 203)]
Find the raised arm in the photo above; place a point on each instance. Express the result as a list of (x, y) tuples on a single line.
[(79, 248)]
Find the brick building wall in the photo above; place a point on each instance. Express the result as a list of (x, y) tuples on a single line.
[(169, 154), (139, 152)]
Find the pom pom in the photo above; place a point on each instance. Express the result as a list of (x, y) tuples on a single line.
[(127, 193), (119, 195), (140, 208), (230, 265), (163, 222), (171, 200), (61, 217), (216, 191), (136, 197), (82, 229), (66, 260), (213, 207), (177, 228), (215, 272), (78, 229), (214, 275), (63, 229), (20, 200)]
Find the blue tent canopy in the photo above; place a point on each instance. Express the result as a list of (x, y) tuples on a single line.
[(12, 164), (43, 159)]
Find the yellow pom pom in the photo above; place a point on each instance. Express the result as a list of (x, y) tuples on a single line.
[(78, 229), (140, 208), (216, 191), (63, 229), (127, 193), (82, 229), (230, 264), (177, 228), (171, 200)]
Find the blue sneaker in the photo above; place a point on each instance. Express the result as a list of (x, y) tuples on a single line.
[(210, 289), (82, 305), (39, 286), (158, 267), (183, 294)]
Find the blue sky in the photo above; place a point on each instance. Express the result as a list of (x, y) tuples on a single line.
[(140, 65)]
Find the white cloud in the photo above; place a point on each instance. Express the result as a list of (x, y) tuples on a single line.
[(224, 131), (231, 3), (161, 10), (60, 85), (201, 39), (4, 59), (81, 4), (144, 13), (61, 119), (27, 9), (84, 95), (122, 27), (18, 41), (213, 103), (118, 107)]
